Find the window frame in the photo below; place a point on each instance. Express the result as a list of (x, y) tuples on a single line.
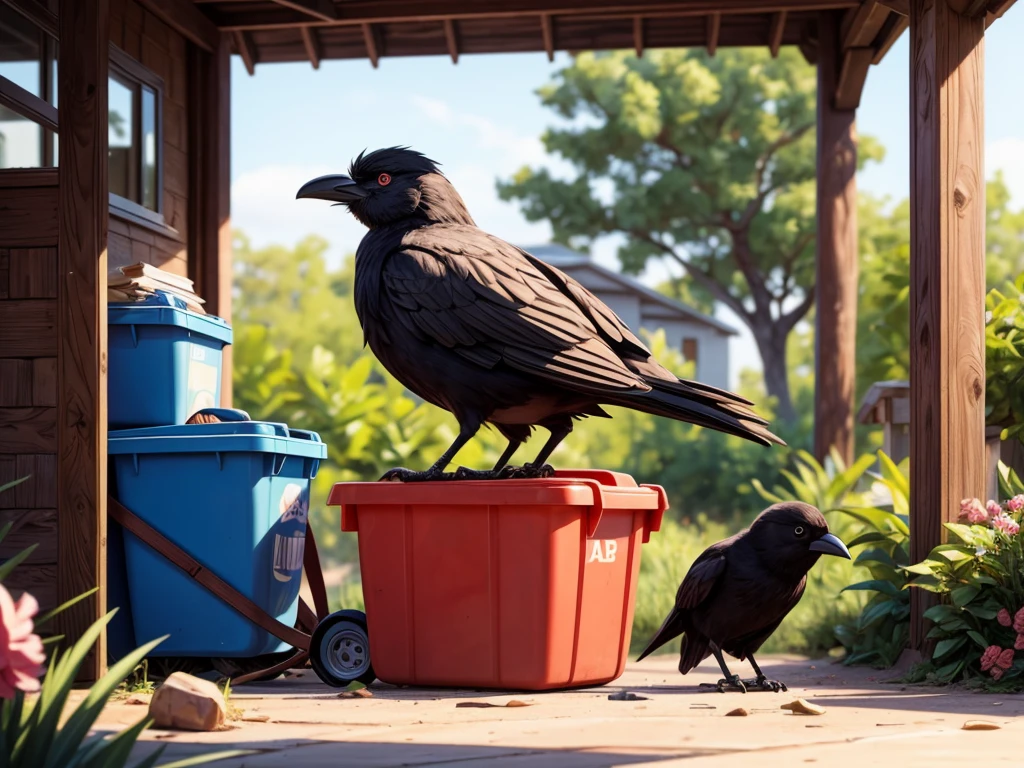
[(37, 109)]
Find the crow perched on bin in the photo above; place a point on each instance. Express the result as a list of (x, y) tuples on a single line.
[(739, 590), (486, 331)]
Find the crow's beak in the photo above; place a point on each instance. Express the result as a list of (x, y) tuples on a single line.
[(830, 544), (337, 189)]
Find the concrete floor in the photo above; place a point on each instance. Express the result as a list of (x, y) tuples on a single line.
[(867, 722)]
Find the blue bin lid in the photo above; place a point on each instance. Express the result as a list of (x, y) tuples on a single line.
[(222, 437), (167, 309)]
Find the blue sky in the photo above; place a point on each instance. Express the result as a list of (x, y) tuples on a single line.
[(482, 120)]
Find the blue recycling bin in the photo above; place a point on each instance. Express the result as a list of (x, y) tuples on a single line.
[(234, 496)]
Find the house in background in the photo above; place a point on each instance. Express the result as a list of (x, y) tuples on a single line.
[(697, 336)]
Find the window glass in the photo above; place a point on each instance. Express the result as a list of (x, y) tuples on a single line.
[(123, 151), (149, 175), (20, 141), (21, 51)]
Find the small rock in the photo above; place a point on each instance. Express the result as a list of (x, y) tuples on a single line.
[(188, 703), (358, 693), (738, 712), (980, 725), (626, 696), (256, 718), (803, 707), (517, 703), (136, 701)]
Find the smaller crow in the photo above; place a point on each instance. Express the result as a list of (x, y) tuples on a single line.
[(740, 589)]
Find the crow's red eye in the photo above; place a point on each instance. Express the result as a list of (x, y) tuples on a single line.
[(384, 179)]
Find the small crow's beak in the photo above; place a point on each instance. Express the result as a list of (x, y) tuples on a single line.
[(830, 544), (337, 189)]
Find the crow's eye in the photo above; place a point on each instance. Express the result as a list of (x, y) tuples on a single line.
[(384, 179), (799, 530)]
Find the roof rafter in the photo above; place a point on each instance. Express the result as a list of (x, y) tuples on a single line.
[(547, 31), (638, 35), (775, 34), (320, 9), (452, 40), (246, 50), (372, 44), (714, 25), (312, 44)]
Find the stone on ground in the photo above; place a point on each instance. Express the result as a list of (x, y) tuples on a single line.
[(188, 703)]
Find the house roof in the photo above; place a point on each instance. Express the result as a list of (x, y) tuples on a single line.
[(566, 259)]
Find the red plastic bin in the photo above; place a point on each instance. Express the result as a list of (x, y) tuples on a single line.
[(514, 584)]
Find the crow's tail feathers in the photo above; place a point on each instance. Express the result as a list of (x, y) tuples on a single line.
[(694, 650), (670, 629)]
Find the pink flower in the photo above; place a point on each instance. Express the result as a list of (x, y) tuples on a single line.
[(1018, 621), (994, 508), (1006, 524), (989, 657), (1019, 643), (973, 511), (1005, 659), (1016, 503), (996, 673), (1004, 618), (21, 651)]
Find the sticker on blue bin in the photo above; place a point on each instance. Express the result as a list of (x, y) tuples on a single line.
[(202, 381), (289, 548)]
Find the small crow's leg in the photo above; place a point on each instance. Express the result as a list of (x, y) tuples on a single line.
[(559, 431), (436, 472), (500, 468), (730, 681), (763, 682)]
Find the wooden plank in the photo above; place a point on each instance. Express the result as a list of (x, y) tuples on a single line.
[(25, 103), (309, 39), (33, 273), (246, 49), (82, 256), (547, 33), (895, 27), (183, 17), (5, 269), (15, 383), (28, 430), (638, 35), (451, 40), (864, 24), (39, 490), (30, 526), (318, 9), (775, 33), (372, 42), (902, 7), (209, 196), (836, 281), (44, 381), (852, 76), (947, 276), (714, 29), (20, 178), (28, 328), (26, 215)]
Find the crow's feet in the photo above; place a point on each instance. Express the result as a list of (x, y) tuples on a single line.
[(527, 472), (403, 475), (465, 473), (762, 683), (727, 684)]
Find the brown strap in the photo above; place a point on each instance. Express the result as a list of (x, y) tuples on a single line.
[(294, 662), (212, 582), (314, 574)]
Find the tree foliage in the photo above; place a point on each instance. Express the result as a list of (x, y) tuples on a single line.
[(708, 162)]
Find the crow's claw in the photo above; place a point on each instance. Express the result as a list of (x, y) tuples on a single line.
[(764, 684), (465, 473), (727, 684), (527, 472), (403, 475)]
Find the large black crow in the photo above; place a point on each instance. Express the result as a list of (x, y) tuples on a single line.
[(740, 589), (486, 331)]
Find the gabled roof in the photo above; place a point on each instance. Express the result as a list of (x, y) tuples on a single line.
[(566, 259)]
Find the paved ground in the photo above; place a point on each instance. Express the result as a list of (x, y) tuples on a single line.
[(867, 722)]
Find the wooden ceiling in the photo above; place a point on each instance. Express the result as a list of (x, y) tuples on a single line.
[(265, 31)]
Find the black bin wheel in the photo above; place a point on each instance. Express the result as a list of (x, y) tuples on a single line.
[(339, 650)]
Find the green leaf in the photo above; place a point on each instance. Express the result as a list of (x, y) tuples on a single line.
[(983, 612), (875, 585), (15, 561), (209, 758), (939, 613), (978, 639), (955, 555), (13, 483), (871, 537), (925, 568), (944, 647), (44, 618), (898, 484)]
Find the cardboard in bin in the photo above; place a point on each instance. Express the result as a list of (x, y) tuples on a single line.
[(510, 584)]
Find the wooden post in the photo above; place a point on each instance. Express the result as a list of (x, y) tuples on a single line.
[(209, 256), (82, 318), (836, 283), (947, 275)]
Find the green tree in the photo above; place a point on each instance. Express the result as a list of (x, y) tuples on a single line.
[(707, 162)]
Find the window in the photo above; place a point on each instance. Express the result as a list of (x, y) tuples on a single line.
[(690, 350), (28, 90), (134, 135)]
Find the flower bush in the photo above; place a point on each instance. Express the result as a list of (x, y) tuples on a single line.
[(979, 629)]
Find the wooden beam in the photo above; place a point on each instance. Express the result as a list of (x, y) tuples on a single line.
[(947, 276), (452, 40), (246, 49), (864, 24), (372, 47), (184, 18), (996, 9), (28, 104), (82, 319), (892, 31), (356, 12), (309, 40), (547, 31), (902, 7), (714, 28), (209, 191), (852, 75), (836, 281), (775, 33), (318, 9), (638, 35)]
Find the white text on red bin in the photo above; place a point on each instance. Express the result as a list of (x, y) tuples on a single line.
[(603, 551)]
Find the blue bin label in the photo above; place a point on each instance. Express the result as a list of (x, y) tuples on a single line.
[(290, 545), (202, 381)]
